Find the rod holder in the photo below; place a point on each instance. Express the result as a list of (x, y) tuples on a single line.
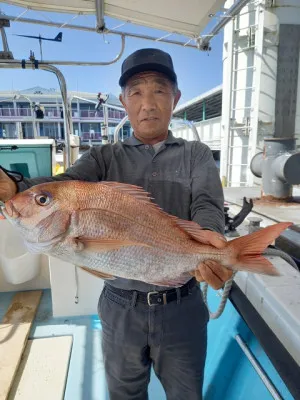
[(278, 166)]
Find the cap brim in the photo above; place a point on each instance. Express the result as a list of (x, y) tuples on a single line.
[(147, 67)]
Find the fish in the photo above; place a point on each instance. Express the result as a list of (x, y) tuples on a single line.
[(116, 230)]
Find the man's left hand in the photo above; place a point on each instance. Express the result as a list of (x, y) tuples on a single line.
[(212, 271)]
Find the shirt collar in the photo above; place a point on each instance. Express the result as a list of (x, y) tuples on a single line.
[(133, 141)]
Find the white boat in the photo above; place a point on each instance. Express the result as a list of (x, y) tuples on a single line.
[(254, 344)]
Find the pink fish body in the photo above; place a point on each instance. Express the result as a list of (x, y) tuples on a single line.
[(115, 230)]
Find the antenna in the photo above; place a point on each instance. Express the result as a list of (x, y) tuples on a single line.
[(58, 38)]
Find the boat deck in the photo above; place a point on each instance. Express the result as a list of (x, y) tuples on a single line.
[(86, 380), (228, 374)]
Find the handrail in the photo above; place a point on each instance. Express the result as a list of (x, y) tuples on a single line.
[(68, 125), (81, 63), (118, 127), (230, 13), (185, 122), (190, 125), (258, 368)]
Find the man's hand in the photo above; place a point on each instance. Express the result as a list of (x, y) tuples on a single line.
[(8, 188), (212, 271)]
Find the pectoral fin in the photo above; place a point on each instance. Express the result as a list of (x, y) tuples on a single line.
[(98, 274), (102, 245)]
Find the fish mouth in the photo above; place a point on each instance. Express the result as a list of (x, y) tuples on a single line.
[(10, 210)]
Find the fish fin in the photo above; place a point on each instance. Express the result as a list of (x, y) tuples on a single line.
[(98, 274), (203, 236), (136, 191), (140, 194), (245, 253), (257, 264), (101, 245)]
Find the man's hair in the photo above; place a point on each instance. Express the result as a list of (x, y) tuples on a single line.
[(173, 84)]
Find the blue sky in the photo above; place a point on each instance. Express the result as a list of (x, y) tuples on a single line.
[(197, 71)]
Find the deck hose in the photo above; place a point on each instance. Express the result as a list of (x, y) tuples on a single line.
[(228, 284)]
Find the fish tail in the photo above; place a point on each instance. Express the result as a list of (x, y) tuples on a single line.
[(245, 253)]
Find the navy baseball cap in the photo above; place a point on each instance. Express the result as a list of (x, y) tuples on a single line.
[(147, 60)]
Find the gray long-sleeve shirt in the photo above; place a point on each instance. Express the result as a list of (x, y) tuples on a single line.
[(181, 176)]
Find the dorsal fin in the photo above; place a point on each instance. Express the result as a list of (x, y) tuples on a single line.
[(136, 191), (191, 228), (201, 235)]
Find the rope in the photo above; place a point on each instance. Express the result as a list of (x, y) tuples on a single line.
[(225, 294), (275, 252), (228, 284)]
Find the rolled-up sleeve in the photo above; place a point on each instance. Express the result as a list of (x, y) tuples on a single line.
[(90, 167), (207, 205)]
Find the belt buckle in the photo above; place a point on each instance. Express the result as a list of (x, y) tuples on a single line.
[(148, 298)]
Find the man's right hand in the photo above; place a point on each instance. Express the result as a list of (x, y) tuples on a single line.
[(8, 187)]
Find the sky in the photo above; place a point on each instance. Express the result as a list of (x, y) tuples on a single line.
[(197, 71)]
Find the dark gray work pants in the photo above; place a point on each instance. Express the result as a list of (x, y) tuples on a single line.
[(172, 338)]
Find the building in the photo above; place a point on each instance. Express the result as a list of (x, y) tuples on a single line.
[(205, 113), (38, 112), (203, 107)]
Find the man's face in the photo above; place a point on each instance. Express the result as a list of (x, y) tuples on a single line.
[(149, 101)]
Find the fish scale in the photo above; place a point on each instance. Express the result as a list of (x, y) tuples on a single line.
[(124, 205), (103, 223), (114, 229)]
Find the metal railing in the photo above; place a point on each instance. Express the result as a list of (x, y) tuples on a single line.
[(258, 368), (90, 114), (52, 114), (10, 112), (15, 112)]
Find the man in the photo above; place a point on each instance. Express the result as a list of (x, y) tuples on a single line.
[(146, 325)]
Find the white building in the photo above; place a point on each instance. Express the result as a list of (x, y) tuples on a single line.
[(205, 112), (18, 118)]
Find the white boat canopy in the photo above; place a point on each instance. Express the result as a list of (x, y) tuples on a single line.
[(187, 18)]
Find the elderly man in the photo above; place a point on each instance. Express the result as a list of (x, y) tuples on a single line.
[(145, 325)]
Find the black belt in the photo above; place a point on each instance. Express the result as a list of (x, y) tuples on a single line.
[(154, 298)]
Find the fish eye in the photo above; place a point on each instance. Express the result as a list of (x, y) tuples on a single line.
[(42, 199)]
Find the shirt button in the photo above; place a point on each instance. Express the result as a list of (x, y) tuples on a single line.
[(147, 147), (154, 173)]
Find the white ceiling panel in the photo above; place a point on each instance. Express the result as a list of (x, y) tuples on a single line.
[(187, 17)]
